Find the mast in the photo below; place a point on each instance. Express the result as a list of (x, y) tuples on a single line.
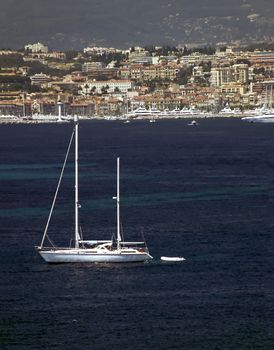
[(24, 107), (266, 97), (76, 185), (271, 96), (118, 205)]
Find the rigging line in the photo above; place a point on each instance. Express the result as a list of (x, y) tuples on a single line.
[(122, 230), (81, 233), (143, 236), (50, 241), (57, 189)]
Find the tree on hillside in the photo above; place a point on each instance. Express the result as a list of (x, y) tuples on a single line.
[(183, 75), (12, 60)]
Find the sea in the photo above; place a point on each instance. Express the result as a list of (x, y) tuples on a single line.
[(205, 193)]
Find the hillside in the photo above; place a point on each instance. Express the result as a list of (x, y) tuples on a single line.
[(68, 24)]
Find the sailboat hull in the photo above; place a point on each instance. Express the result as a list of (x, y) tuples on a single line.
[(82, 256)]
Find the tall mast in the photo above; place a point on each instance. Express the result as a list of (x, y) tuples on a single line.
[(118, 205), (271, 97), (76, 186), (266, 97)]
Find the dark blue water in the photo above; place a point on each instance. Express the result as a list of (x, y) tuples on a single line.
[(205, 193)]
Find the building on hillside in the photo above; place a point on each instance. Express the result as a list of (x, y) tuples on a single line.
[(140, 56), (10, 52), (83, 108), (220, 75), (94, 50), (39, 79), (38, 47), (249, 99), (14, 108), (107, 86), (232, 93), (238, 73), (10, 95), (197, 58), (90, 66), (134, 72), (102, 74), (150, 72), (65, 85), (262, 57), (189, 89), (232, 88)]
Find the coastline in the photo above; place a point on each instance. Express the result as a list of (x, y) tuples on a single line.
[(18, 120)]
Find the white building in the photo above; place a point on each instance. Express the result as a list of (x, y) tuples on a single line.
[(39, 79), (196, 58), (90, 66), (140, 56), (108, 85), (100, 50), (38, 48)]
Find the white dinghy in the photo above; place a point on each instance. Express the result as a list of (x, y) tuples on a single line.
[(172, 258)]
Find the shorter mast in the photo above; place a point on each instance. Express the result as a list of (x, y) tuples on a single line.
[(118, 205)]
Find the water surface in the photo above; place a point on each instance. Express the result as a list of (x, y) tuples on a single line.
[(205, 193)]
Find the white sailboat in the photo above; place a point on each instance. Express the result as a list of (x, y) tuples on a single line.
[(89, 251)]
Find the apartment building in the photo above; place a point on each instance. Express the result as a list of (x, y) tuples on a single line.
[(235, 73), (240, 73)]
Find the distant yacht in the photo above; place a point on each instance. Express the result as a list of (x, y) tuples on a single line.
[(154, 113), (8, 117), (139, 112), (229, 112), (142, 112), (186, 112), (263, 114), (264, 118), (193, 123)]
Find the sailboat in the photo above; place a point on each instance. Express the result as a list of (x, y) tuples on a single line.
[(115, 250)]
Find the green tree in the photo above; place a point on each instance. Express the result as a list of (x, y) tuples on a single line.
[(12, 60), (71, 54), (184, 75)]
